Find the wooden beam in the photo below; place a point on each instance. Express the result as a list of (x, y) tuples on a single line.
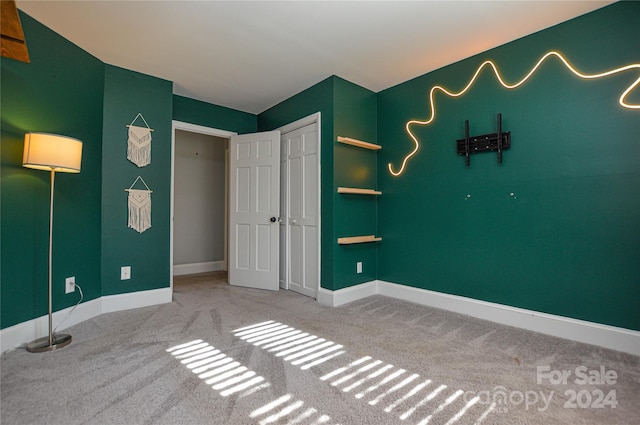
[(12, 41)]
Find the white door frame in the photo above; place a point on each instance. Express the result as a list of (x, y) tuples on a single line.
[(303, 122), (193, 128)]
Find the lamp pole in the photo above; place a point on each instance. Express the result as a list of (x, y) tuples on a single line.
[(51, 152), (50, 342), (53, 179)]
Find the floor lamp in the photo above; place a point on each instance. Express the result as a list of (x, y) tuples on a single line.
[(52, 153)]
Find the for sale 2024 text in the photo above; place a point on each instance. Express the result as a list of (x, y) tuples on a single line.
[(594, 398)]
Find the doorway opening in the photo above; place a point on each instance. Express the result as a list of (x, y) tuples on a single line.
[(194, 203), (200, 182), (199, 197)]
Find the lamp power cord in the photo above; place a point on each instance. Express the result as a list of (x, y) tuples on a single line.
[(70, 311)]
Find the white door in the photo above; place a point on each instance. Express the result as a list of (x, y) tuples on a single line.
[(301, 183), (284, 211), (254, 203)]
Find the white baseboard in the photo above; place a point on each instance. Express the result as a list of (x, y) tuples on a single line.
[(612, 337), (25, 332), (193, 268), (127, 301), (347, 295)]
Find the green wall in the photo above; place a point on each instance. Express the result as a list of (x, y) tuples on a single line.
[(127, 93), (214, 116), (60, 92), (355, 116), (67, 91), (346, 110), (567, 242)]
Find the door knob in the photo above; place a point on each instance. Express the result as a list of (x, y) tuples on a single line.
[(274, 219)]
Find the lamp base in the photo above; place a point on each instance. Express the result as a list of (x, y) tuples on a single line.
[(41, 345)]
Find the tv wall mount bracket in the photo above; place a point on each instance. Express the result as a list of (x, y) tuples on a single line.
[(487, 142)]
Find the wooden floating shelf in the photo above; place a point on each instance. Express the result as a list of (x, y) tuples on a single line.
[(358, 191), (358, 143), (358, 239)]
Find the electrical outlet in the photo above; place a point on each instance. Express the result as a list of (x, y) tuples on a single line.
[(359, 267), (70, 285), (125, 272)]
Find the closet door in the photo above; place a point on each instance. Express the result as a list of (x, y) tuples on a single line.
[(303, 209), (254, 209), (284, 213)]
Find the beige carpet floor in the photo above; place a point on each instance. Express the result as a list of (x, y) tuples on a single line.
[(224, 355)]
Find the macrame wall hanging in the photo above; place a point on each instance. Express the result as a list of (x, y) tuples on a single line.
[(139, 207), (139, 143)]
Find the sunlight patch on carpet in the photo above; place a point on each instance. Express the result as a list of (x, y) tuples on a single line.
[(298, 348), (398, 391), (228, 376), (215, 368)]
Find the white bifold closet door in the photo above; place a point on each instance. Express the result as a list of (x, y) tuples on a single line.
[(300, 209)]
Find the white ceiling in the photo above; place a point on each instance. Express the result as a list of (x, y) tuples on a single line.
[(251, 55)]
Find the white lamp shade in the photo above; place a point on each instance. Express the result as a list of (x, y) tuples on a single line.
[(44, 151)]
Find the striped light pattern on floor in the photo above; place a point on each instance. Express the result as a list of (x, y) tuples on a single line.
[(379, 384), (403, 394), (296, 347), (290, 409), (215, 368), (228, 377)]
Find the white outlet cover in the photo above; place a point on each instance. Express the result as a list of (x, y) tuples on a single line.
[(125, 273), (359, 267), (70, 285)]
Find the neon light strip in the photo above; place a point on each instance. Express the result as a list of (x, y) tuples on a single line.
[(622, 99)]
